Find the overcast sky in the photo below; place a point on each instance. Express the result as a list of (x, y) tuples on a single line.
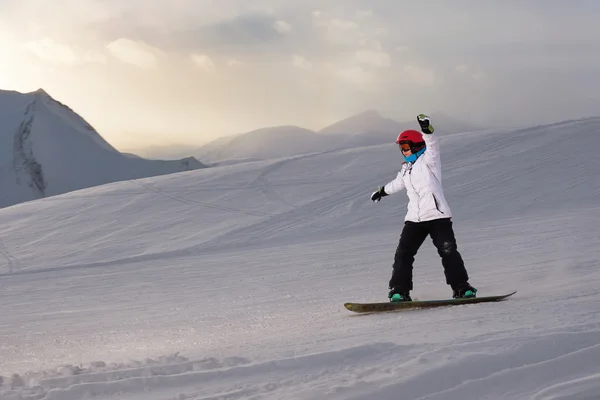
[(186, 71)]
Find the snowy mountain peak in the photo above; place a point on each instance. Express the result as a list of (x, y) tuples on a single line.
[(368, 114), (46, 148), (41, 92), (364, 122), (71, 118)]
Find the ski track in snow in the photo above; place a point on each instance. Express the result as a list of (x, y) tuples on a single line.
[(228, 283), (195, 203), (476, 369), (10, 260)]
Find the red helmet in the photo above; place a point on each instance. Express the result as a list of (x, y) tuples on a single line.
[(414, 138)]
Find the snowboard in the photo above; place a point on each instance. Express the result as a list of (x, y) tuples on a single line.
[(420, 304)]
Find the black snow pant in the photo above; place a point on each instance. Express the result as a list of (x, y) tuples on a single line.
[(412, 237)]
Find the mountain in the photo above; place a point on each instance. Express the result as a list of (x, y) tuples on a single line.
[(229, 282), (266, 143), (47, 149), (163, 152), (369, 122), (364, 129), (370, 128)]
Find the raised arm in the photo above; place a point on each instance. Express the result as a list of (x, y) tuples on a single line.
[(432, 154)]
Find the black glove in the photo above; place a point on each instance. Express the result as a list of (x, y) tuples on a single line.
[(376, 196), (425, 123)]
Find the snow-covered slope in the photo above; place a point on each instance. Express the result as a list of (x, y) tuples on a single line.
[(229, 282), (47, 149)]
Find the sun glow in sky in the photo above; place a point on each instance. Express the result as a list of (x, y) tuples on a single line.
[(157, 72)]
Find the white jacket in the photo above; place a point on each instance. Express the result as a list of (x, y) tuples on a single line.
[(422, 180)]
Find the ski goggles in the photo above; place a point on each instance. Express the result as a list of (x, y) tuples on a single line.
[(405, 147)]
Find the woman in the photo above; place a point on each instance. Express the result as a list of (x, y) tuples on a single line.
[(428, 214)]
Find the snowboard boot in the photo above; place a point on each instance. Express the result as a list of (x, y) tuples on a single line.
[(397, 296), (463, 291)]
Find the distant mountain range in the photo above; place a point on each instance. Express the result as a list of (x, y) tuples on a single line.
[(47, 149), (365, 129)]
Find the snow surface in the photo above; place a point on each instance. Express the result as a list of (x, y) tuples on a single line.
[(229, 282), (48, 149)]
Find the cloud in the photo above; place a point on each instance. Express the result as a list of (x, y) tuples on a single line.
[(282, 27), (468, 71), (374, 58), (301, 62), (459, 56), (47, 49), (419, 75), (135, 53), (372, 54), (357, 76), (247, 33), (337, 26), (338, 31), (478, 76), (204, 62), (232, 62)]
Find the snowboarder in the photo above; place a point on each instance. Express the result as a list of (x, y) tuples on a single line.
[(428, 214)]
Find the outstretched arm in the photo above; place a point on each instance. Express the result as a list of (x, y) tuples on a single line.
[(396, 185), (391, 187)]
